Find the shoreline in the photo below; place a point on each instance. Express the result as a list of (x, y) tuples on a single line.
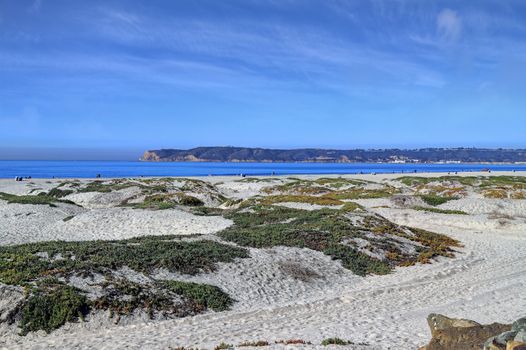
[(386, 175)]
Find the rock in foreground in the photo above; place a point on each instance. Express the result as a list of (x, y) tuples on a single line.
[(459, 334)]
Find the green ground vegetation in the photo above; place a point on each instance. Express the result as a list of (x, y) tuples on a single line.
[(500, 187), (45, 268), (254, 343), (40, 199), (24, 263), (435, 200), (166, 201), (439, 211), (315, 187), (204, 296), (332, 232), (335, 341), (50, 305)]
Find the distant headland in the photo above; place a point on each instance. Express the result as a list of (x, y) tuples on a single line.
[(316, 155)]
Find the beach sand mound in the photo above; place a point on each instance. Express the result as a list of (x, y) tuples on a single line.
[(285, 290)]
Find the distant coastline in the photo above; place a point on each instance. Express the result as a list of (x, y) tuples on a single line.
[(119, 169), (315, 155)]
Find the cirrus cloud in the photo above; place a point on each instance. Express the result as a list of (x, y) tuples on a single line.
[(449, 25)]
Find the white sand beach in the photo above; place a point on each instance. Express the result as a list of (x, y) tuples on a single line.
[(485, 281)]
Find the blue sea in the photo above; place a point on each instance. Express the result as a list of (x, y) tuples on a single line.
[(89, 169)]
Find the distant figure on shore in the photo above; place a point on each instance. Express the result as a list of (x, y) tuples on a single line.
[(98, 176)]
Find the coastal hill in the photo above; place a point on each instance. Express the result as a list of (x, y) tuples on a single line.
[(423, 155)]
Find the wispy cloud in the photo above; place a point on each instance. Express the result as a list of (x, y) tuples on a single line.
[(272, 51), (244, 52), (449, 25)]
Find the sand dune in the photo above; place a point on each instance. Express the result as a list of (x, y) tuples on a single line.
[(485, 282)]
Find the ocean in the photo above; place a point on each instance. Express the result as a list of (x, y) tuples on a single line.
[(89, 169)]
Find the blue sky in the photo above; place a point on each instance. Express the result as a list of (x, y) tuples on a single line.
[(134, 75)]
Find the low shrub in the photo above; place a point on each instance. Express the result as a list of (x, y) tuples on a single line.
[(58, 193), (51, 305), (20, 264), (40, 199), (351, 206), (106, 187), (206, 211), (300, 199), (224, 346), (358, 262), (122, 297), (333, 232), (335, 341), (360, 193), (191, 201), (161, 201), (205, 296), (436, 200), (440, 211), (292, 342), (320, 230), (255, 343)]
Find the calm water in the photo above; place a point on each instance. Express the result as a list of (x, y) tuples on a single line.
[(80, 169)]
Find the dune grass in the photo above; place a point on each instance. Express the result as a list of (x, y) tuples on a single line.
[(22, 263), (332, 232), (58, 193), (319, 230), (204, 296), (51, 305), (360, 193), (40, 199), (335, 189), (161, 201), (300, 199), (335, 341), (435, 200), (251, 344), (473, 181), (440, 211), (416, 180), (351, 207), (100, 186)]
